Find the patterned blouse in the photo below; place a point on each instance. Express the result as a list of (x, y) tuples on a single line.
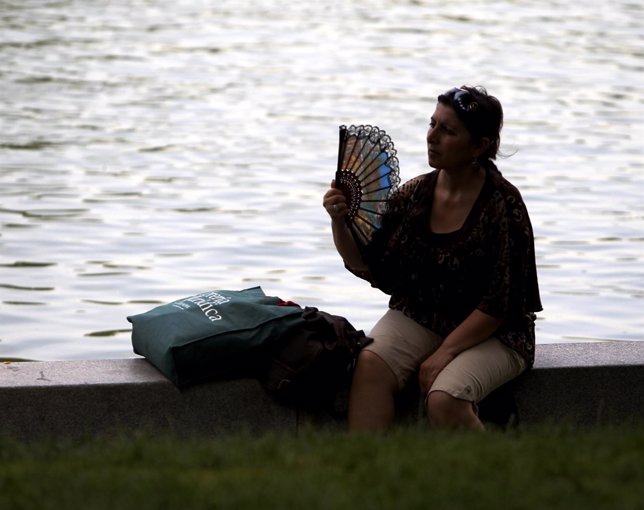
[(439, 279)]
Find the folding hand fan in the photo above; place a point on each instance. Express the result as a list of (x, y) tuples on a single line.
[(367, 174)]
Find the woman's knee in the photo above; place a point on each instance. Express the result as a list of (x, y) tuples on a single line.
[(444, 410), (373, 369)]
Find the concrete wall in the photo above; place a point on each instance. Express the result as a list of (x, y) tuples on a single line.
[(588, 383), (579, 383)]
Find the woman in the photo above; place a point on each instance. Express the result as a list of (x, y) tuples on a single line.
[(456, 253)]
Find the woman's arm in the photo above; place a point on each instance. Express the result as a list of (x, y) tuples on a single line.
[(476, 328), (335, 204), (346, 245)]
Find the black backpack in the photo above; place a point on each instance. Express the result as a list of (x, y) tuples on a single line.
[(312, 365)]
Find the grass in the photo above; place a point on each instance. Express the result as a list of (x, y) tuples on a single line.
[(409, 468)]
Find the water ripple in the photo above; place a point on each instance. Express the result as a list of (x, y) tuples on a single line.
[(146, 158)]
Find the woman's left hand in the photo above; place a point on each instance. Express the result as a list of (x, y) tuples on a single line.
[(431, 367)]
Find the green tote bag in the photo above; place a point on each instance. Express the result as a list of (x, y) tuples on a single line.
[(221, 333)]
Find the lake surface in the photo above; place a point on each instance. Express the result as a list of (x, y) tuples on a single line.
[(152, 150)]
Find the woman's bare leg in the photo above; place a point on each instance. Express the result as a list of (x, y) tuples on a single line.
[(371, 401)]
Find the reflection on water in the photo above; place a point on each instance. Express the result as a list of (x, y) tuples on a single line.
[(186, 148)]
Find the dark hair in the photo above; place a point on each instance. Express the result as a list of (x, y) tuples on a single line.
[(481, 113)]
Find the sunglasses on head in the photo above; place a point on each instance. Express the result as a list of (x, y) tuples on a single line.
[(463, 99)]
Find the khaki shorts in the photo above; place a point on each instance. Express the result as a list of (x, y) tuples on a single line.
[(403, 345)]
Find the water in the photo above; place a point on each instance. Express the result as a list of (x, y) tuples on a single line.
[(151, 150)]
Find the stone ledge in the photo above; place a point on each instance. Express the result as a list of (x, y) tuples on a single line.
[(578, 383), (85, 398), (590, 383)]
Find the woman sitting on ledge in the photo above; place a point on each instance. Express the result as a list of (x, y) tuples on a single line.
[(456, 253)]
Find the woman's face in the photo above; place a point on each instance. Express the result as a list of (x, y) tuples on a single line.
[(449, 143)]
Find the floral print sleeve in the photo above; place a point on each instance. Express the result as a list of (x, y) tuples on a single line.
[(512, 288)]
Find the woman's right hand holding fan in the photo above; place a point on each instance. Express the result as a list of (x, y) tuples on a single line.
[(335, 202)]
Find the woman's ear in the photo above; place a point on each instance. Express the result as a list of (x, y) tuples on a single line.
[(482, 146)]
